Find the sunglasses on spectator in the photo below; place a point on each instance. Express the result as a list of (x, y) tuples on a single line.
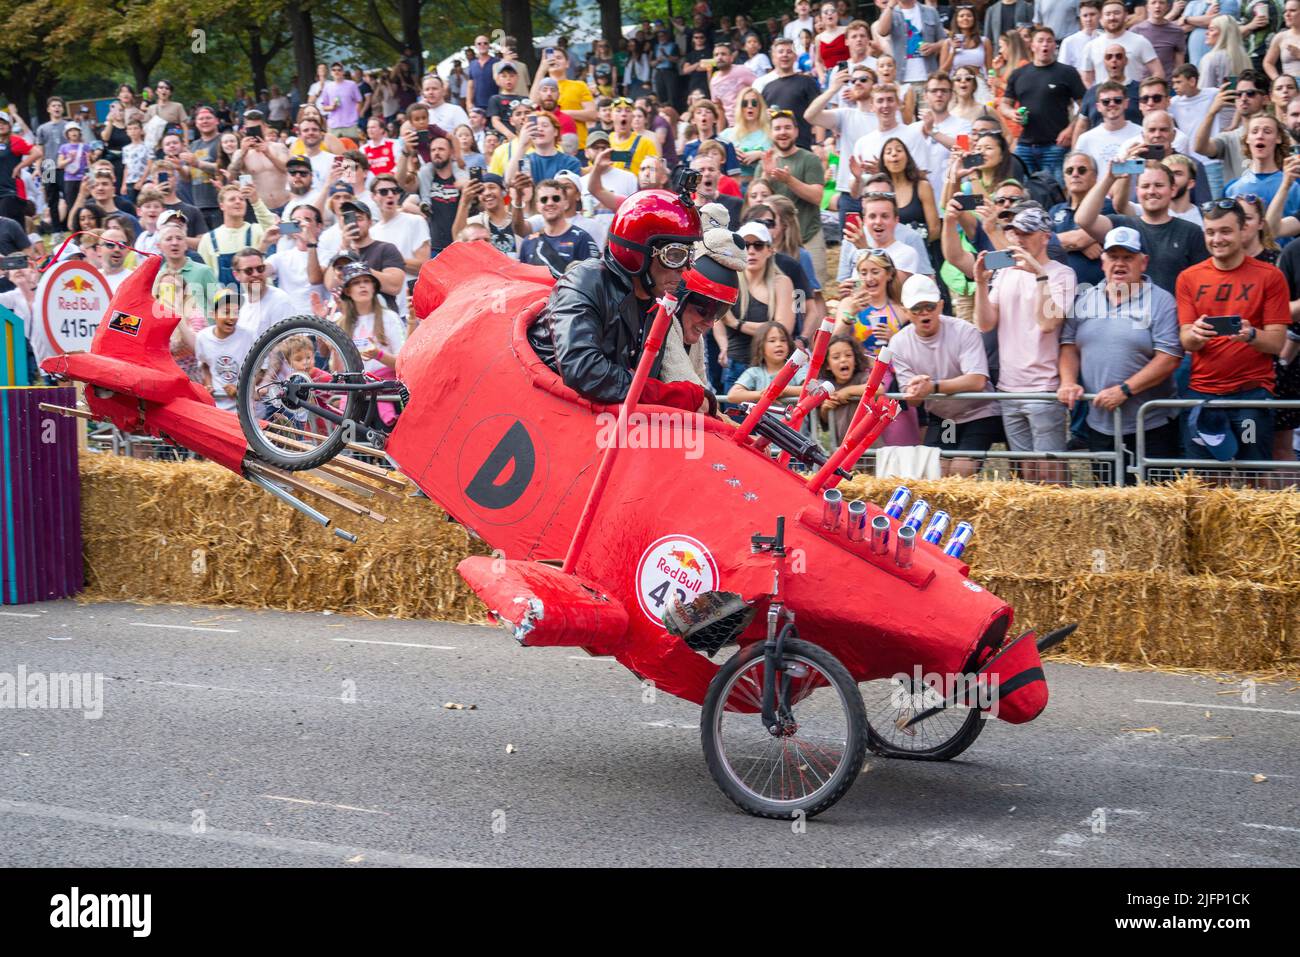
[(299, 172), (259, 268), (674, 255), (924, 307), (1250, 92), (1078, 169), (748, 104), (1112, 101), (387, 191), (863, 80), (1005, 200), (1214, 204), (878, 194), (756, 244), (1151, 98), (548, 200)]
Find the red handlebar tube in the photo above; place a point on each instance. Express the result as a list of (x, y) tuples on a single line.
[(887, 413), (774, 389)]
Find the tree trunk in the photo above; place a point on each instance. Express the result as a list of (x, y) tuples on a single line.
[(611, 23), (142, 63), (257, 59), (409, 12), (517, 21), (304, 43)]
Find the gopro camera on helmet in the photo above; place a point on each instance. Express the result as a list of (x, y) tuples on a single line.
[(684, 182)]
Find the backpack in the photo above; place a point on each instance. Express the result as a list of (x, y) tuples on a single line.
[(1044, 189)]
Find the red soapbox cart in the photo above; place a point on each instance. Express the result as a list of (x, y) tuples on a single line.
[(837, 629)]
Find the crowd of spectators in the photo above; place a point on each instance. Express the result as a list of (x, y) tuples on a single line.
[(1136, 161)]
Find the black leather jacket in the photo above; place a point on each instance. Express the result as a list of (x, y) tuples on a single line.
[(592, 330)]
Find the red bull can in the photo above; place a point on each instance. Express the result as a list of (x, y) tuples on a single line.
[(832, 509), (916, 515), (857, 529), (938, 525), (906, 547), (879, 535), (897, 502), (960, 538)]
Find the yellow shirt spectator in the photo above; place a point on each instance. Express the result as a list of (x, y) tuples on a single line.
[(576, 95), (629, 152)]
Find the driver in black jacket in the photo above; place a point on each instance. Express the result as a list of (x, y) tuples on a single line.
[(594, 326)]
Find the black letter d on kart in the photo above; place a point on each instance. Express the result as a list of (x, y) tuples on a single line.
[(515, 446)]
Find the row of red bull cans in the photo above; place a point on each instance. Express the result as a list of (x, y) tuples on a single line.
[(939, 522)]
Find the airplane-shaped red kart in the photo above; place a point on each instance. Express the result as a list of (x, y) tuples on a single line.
[(854, 632)]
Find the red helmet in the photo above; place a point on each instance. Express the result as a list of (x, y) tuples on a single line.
[(648, 218)]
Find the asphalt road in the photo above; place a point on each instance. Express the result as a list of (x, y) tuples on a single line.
[(226, 740)]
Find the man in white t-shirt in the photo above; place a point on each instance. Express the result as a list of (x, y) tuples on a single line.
[(220, 350), (115, 249), (409, 233), (850, 121), (940, 127), (935, 356), (884, 97), (263, 304), (1104, 142), (1142, 59), (1073, 44), (1190, 104), (289, 263), (611, 184), (433, 91), (802, 21)]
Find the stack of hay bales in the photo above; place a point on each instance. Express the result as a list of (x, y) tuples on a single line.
[(1172, 576), (195, 533)]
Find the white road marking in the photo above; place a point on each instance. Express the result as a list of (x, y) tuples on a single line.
[(18, 614), (339, 807), (253, 691), (146, 624), (1215, 706), (397, 644), (1272, 827), (339, 853), (591, 658)]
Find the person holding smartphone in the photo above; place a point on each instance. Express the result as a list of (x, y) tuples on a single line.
[(1228, 365)]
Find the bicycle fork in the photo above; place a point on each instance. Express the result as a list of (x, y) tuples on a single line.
[(777, 717)]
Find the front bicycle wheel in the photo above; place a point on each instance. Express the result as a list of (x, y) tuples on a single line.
[(291, 411), (812, 763), (891, 702)]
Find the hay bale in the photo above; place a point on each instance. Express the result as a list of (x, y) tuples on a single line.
[(195, 533), (1245, 533), (1167, 621), (1027, 529)]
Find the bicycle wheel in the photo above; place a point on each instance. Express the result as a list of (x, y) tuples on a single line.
[(807, 770), (891, 702), (289, 417)]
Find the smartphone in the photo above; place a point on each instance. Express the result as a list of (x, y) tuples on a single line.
[(999, 259), (548, 52), (349, 218), (969, 201), (254, 131), (1225, 325), (163, 176), (18, 261), (289, 228), (1231, 82), (1128, 167), (476, 174), (958, 39), (962, 142), (974, 161), (245, 180), (1155, 152), (853, 219), (422, 138)]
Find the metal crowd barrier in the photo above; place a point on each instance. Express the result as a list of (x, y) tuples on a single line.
[(1144, 464), (1115, 457)]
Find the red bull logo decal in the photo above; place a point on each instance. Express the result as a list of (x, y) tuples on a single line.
[(675, 566), (122, 322), (77, 284)]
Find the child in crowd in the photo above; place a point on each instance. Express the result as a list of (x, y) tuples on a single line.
[(772, 345), (135, 160), (846, 367), (220, 349), (74, 159)]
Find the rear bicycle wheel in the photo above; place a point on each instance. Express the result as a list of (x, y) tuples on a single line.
[(803, 771), (289, 415), (891, 702)]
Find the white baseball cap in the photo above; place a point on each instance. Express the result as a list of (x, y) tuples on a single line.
[(756, 231), (919, 288), (1126, 237)]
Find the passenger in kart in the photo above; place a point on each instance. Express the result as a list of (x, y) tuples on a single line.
[(593, 329), (713, 287)]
